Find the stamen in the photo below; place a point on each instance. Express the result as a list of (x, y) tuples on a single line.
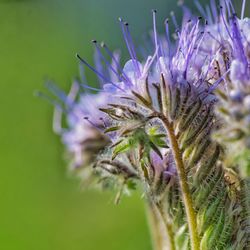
[(203, 33), (214, 10), (85, 86), (185, 37), (203, 75), (132, 45), (129, 45), (209, 15), (168, 37), (148, 63), (99, 67), (49, 99), (57, 121), (232, 7), (82, 74), (200, 8), (228, 8), (155, 32), (225, 23), (97, 73), (214, 38), (57, 92), (90, 122), (181, 43), (105, 60), (238, 41), (191, 48), (109, 52), (243, 9), (174, 20), (73, 92), (161, 48)]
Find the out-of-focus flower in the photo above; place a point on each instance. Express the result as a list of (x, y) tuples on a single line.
[(84, 136)]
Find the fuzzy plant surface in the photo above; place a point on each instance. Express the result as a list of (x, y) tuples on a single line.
[(175, 123)]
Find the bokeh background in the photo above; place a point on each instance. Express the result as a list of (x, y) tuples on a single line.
[(41, 207)]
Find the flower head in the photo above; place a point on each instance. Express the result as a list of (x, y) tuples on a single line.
[(151, 122), (83, 135)]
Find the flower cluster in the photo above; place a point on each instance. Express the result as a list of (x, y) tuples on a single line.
[(151, 122)]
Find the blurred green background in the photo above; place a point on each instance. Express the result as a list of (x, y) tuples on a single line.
[(42, 208)]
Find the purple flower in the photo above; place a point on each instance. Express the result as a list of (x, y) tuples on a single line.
[(83, 135), (204, 54), (163, 166)]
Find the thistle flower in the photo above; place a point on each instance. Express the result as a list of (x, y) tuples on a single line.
[(151, 123)]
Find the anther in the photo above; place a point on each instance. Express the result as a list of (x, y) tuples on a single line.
[(166, 21)]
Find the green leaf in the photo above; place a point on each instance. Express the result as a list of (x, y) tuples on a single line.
[(112, 129), (142, 99), (121, 148)]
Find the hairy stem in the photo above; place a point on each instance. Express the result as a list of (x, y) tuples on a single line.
[(187, 199), (155, 227), (168, 227), (161, 228)]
